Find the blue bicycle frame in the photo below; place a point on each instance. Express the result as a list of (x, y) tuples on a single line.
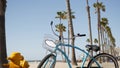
[(66, 57), (67, 45)]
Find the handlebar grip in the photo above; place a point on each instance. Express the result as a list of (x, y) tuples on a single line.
[(81, 34)]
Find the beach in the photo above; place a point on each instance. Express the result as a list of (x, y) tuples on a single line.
[(64, 65), (58, 65)]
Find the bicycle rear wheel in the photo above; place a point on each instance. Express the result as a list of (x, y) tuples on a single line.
[(103, 60), (48, 62)]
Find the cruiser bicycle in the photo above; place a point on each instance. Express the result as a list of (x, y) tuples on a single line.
[(102, 60)]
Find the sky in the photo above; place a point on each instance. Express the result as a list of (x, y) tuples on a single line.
[(28, 22)]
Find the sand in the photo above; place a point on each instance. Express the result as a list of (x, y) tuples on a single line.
[(62, 65)]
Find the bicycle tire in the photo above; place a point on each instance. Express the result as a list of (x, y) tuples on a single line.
[(105, 60), (43, 64)]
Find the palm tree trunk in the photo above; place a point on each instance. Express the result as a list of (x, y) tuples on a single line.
[(3, 52), (71, 32), (114, 51), (103, 37), (68, 41), (111, 50), (98, 12), (62, 47), (89, 23), (102, 40), (61, 35)]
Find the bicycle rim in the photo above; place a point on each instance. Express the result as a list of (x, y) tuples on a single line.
[(103, 61), (48, 62)]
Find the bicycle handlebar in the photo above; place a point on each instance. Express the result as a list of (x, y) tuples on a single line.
[(81, 35), (78, 35)]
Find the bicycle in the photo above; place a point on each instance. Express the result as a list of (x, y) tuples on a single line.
[(98, 61)]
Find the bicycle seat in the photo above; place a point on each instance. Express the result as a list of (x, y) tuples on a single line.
[(93, 47)]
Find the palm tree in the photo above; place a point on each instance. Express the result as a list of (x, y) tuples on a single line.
[(61, 15), (95, 41), (61, 28), (89, 24), (112, 39), (113, 45), (88, 41), (70, 25), (3, 52), (99, 6), (107, 33), (103, 23)]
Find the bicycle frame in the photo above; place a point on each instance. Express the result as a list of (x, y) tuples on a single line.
[(56, 48), (66, 57), (67, 45)]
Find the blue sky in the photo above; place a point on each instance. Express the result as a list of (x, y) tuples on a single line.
[(27, 22)]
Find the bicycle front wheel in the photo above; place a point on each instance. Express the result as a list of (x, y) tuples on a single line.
[(48, 62), (103, 60)]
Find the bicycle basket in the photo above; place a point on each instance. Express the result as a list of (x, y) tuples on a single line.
[(49, 42)]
